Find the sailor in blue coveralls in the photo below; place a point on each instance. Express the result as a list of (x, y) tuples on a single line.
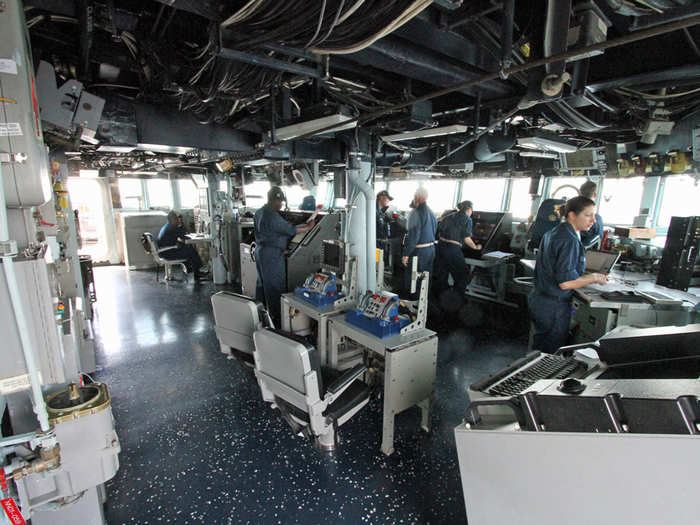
[(455, 229), (171, 244), (420, 238), (383, 232), (561, 262), (272, 234), (589, 238)]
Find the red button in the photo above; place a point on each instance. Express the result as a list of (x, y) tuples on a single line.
[(383, 299)]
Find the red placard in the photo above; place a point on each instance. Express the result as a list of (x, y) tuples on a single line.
[(13, 513)]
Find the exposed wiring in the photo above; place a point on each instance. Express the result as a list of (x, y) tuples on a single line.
[(243, 13), (414, 10)]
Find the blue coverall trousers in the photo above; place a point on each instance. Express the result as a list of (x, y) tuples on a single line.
[(269, 262), (188, 252), (450, 260), (552, 318)]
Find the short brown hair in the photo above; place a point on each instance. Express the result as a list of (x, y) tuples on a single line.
[(588, 189)]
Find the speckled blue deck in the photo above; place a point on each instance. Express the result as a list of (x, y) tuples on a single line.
[(200, 446)]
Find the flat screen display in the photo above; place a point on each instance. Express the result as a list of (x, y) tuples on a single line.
[(600, 262), (332, 255)]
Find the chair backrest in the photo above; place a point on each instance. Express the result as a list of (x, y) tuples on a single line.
[(547, 218), (236, 318), (287, 359), (152, 247)]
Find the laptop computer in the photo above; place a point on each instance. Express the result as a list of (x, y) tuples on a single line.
[(598, 261)]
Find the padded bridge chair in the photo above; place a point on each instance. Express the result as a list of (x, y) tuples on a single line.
[(167, 264), (236, 318), (290, 378)]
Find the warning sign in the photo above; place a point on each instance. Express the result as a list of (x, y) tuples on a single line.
[(13, 513), (11, 129)]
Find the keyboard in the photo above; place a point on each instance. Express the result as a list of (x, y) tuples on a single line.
[(544, 366)]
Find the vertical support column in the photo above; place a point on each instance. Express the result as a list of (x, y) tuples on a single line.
[(175, 188), (356, 225), (650, 194)]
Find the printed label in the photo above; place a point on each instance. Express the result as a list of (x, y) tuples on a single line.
[(13, 513), (11, 129), (14, 384), (8, 66)]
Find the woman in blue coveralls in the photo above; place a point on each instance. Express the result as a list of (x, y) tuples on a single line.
[(559, 270), (420, 238), (272, 234)]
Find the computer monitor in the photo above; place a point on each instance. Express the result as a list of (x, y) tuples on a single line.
[(333, 255), (600, 261)]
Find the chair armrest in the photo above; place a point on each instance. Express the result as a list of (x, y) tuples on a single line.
[(344, 381), (161, 250)]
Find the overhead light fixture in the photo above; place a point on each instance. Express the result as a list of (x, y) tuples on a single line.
[(316, 125), (425, 133), (547, 144), (539, 154)]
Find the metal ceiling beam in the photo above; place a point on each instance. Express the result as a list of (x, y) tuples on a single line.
[(670, 15), (269, 62), (665, 75), (567, 56), (418, 63)]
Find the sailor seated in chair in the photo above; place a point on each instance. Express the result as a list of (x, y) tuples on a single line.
[(171, 244)]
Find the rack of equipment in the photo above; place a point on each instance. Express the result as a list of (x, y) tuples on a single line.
[(326, 293), (303, 251), (322, 288), (680, 253)]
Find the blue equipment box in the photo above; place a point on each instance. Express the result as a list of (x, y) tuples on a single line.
[(315, 298), (375, 326)]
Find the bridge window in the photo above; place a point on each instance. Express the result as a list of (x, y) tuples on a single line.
[(620, 200), (160, 194), (256, 193), (131, 194), (485, 194), (189, 194), (403, 191), (520, 198), (565, 187), (681, 195), (441, 195)]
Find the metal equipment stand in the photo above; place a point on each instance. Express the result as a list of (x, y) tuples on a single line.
[(495, 270), (410, 361)]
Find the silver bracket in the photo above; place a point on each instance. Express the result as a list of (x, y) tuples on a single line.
[(8, 248)]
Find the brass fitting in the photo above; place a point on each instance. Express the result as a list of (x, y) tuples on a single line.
[(49, 459)]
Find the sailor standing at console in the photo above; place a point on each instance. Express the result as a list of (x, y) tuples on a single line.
[(589, 238), (561, 262), (383, 199), (420, 238), (454, 231), (272, 234)]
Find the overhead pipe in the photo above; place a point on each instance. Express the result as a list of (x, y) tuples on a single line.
[(507, 33), (575, 54), (490, 146), (358, 173), (434, 67), (21, 319)]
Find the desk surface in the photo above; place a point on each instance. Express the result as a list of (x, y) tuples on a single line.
[(197, 238), (630, 281), (313, 310), (627, 281), (390, 344)]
